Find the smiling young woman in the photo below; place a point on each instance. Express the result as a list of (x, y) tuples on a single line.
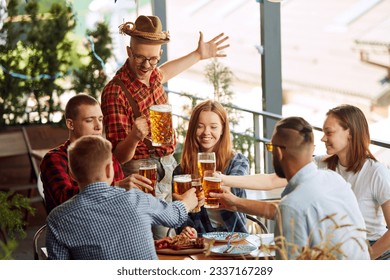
[(347, 140), (208, 131)]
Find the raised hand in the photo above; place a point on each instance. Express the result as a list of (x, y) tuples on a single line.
[(213, 47)]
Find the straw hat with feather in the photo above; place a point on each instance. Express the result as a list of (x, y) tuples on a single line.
[(146, 29)]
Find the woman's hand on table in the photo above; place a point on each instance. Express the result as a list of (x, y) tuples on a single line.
[(190, 232)]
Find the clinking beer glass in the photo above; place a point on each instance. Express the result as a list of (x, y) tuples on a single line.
[(181, 183), (197, 184), (161, 127), (148, 169), (211, 183), (206, 161)]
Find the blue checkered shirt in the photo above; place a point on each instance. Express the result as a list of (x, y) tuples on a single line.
[(104, 223)]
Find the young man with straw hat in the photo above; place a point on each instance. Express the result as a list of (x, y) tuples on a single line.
[(125, 120)]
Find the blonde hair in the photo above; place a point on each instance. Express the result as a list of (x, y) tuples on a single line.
[(223, 149), (87, 156)]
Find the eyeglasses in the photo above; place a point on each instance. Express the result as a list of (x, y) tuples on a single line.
[(140, 59), (270, 146)]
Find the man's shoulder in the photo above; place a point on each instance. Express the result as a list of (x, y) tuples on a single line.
[(59, 152)]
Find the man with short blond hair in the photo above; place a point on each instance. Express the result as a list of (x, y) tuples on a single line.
[(104, 222), (83, 116)]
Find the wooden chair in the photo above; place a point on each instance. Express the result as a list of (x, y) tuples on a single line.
[(15, 161)]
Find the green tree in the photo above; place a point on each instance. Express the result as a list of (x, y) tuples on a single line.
[(49, 58), (35, 52), (12, 223), (11, 101), (91, 78)]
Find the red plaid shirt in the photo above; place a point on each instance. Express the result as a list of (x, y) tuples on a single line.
[(118, 114), (58, 185)]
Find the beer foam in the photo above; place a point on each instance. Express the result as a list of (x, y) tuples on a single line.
[(147, 167), (207, 161), (161, 108), (213, 179), (182, 179)]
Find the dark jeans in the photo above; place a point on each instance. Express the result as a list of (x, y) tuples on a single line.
[(385, 255)]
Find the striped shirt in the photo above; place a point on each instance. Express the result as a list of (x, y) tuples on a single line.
[(118, 114), (109, 223)]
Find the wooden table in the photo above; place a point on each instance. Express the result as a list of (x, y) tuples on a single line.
[(253, 239)]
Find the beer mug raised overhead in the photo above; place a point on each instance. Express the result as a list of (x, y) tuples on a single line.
[(161, 124)]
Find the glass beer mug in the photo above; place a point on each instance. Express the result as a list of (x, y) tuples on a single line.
[(211, 183), (148, 169), (206, 161), (161, 124)]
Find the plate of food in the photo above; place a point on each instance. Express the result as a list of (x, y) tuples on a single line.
[(234, 250), (179, 245), (223, 237)]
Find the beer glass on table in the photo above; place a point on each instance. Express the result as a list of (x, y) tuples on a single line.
[(148, 169), (161, 127), (206, 161), (211, 183)]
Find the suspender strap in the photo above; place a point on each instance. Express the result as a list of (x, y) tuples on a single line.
[(136, 111), (131, 100)]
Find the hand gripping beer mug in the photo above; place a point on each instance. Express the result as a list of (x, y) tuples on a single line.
[(181, 183), (206, 161), (197, 184), (148, 169), (161, 124), (211, 183)]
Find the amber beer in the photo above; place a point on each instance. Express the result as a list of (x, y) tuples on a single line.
[(197, 184), (181, 183), (149, 170), (206, 164), (206, 161), (161, 124), (211, 184)]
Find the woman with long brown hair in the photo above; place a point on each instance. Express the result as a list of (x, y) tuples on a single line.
[(208, 131), (347, 140)]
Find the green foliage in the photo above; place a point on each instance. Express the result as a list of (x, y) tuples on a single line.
[(10, 98), (12, 209), (38, 55), (90, 78), (50, 55)]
